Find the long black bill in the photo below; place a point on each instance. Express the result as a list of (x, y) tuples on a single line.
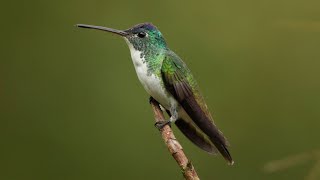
[(115, 31)]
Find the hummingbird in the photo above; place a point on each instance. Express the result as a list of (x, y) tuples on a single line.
[(168, 80)]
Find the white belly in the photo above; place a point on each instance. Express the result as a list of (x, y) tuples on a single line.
[(151, 83)]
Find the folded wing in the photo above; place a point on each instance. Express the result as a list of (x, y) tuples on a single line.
[(179, 81)]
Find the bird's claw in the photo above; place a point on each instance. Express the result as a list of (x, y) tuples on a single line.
[(150, 99), (160, 124)]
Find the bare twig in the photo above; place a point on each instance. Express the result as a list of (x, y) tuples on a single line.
[(287, 162), (173, 145), (290, 161), (314, 172)]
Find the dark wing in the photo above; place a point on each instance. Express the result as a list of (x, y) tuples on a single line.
[(179, 81)]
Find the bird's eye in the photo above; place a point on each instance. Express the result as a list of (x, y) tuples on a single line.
[(142, 34)]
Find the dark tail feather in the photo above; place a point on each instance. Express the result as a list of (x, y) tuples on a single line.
[(222, 148), (199, 139), (220, 142), (206, 125)]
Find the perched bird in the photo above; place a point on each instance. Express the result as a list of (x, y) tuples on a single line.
[(168, 80)]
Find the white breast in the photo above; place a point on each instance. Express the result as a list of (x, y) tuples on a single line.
[(151, 83)]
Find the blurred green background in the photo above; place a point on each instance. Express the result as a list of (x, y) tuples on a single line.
[(71, 106)]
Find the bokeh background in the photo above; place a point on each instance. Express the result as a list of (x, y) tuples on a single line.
[(71, 106)]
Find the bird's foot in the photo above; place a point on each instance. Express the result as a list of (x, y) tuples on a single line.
[(151, 99), (160, 124)]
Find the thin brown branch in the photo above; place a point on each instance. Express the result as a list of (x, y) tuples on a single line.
[(292, 160), (287, 162), (314, 172), (173, 145)]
